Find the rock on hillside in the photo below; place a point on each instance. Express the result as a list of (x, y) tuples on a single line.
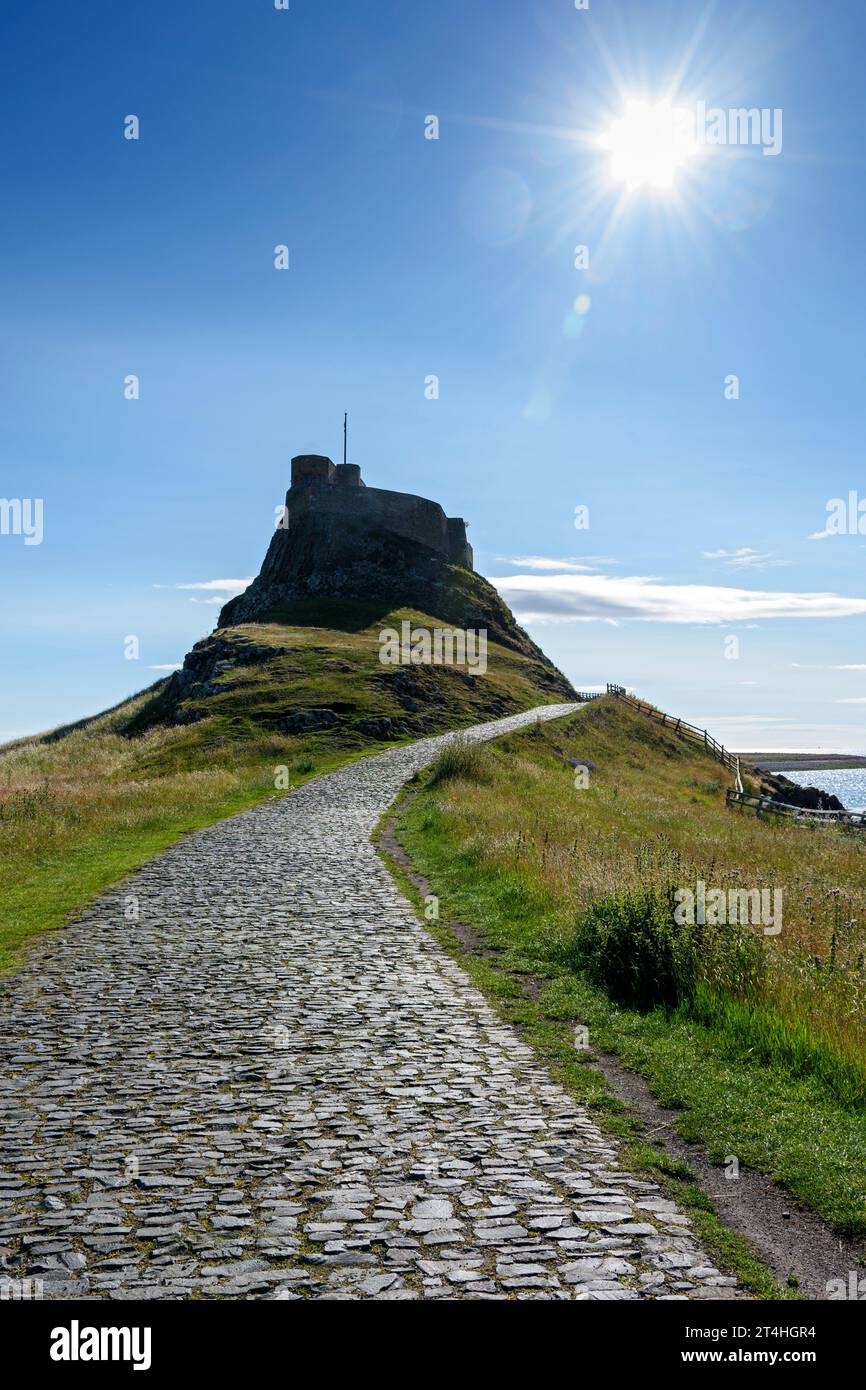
[(375, 568), (336, 546), (298, 651)]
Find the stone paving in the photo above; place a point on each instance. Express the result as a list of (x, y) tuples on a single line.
[(249, 1072)]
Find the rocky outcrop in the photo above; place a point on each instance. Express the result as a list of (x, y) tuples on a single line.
[(810, 798), (305, 721), (214, 656), (356, 562), (347, 559), (200, 676)]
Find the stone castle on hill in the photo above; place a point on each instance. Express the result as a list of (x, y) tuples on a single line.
[(336, 493), (343, 557), (342, 549)]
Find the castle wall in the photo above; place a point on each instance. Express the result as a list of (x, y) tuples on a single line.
[(415, 518), (459, 549), (347, 475)]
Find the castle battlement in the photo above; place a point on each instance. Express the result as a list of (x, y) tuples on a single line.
[(325, 490)]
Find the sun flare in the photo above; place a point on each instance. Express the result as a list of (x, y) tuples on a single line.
[(649, 143)]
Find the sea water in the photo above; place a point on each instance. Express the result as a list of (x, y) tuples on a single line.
[(848, 783)]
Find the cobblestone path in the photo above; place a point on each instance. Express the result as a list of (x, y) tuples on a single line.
[(274, 1084)]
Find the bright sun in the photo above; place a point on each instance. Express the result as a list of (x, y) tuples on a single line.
[(649, 143)]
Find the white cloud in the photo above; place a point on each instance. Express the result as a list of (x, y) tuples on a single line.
[(852, 700), (762, 733), (745, 558), (542, 562), (593, 598), (228, 586), (820, 666), (168, 666), (753, 719), (222, 589)]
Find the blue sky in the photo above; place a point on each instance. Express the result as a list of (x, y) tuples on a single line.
[(455, 257)]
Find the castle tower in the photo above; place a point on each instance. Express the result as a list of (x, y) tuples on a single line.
[(311, 468), (336, 500), (459, 549), (347, 475)]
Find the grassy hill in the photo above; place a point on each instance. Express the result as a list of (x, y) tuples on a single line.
[(83, 805), (760, 1040)]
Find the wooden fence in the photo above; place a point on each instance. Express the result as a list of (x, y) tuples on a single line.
[(737, 795), (765, 806), (681, 726)]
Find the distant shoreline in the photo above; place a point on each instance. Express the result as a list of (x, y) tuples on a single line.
[(803, 762)]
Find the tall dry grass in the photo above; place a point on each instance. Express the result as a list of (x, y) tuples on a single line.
[(654, 818)]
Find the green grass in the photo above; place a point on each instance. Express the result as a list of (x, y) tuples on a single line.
[(460, 760), (85, 805), (767, 1066)]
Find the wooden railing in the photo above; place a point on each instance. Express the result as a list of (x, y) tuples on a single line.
[(680, 726), (765, 806), (737, 795)]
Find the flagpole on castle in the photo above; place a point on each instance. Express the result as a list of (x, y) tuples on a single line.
[(345, 433)]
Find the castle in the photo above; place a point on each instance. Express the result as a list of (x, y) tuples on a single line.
[(334, 493), (347, 556)]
